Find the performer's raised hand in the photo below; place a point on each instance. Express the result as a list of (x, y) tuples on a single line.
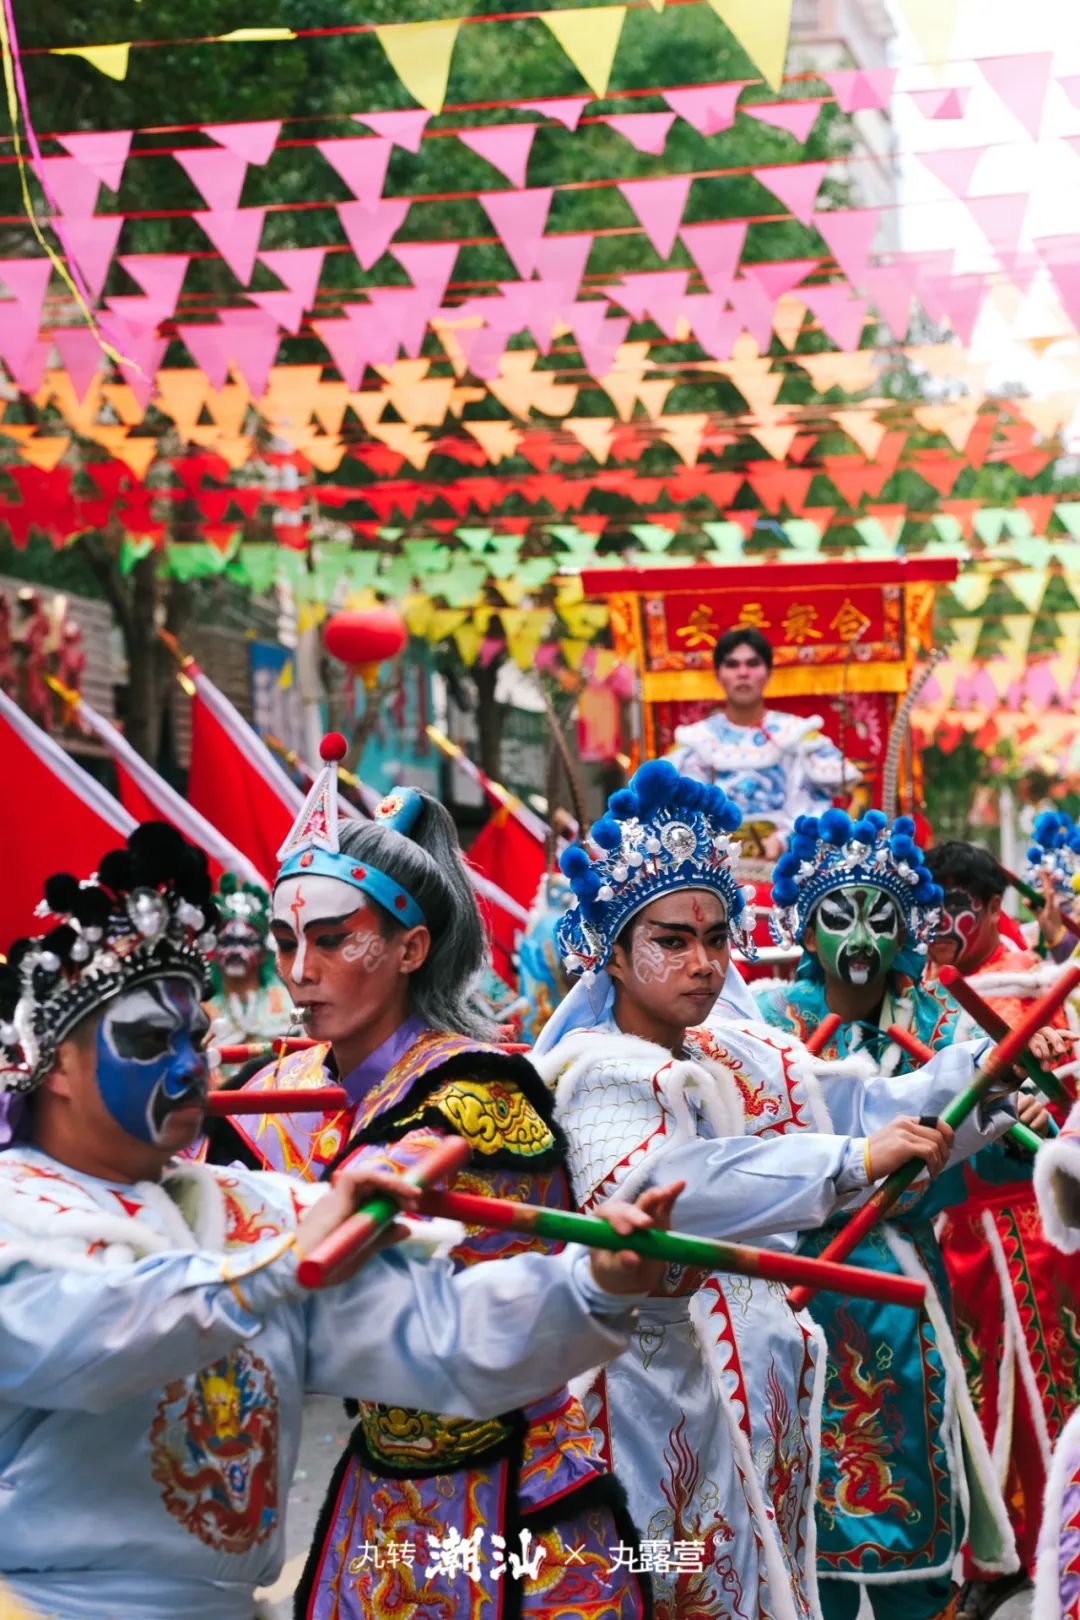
[(1053, 1046), (350, 1188), (621, 1271), (904, 1139)]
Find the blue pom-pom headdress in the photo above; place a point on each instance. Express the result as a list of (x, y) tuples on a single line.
[(1055, 849), (833, 852), (662, 833), (312, 845)]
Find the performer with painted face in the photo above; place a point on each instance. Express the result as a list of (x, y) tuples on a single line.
[(247, 1004), (155, 1342), (906, 1471), (1014, 1295), (775, 765), (711, 1419), (379, 942), (1057, 1577)]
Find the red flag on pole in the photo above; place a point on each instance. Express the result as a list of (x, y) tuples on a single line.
[(57, 817), (234, 780), (510, 857), (149, 797)]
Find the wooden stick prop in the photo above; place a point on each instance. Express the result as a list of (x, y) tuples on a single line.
[(595, 1233), (1036, 902), (996, 1064), (996, 1027), (1019, 1133), (282, 1100), (505, 1215), (360, 1230), (824, 1033)]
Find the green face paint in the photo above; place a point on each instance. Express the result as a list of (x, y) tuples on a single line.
[(859, 932)]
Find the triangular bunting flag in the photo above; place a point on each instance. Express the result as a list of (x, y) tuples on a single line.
[(659, 206), (590, 39), (104, 153), (361, 163), (216, 173), (519, 218), (91, 243), (1021, 82), (796, 185), (420, 53), (252, 142), (761, 28), (505, 146), (796, 117), (235, 233)]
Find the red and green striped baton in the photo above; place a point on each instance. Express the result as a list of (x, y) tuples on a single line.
[(1019, 1133), (505, 1215), (989, 1074), (995, 1026)]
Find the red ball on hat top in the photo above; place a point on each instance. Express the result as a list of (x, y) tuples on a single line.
[(333, 747)]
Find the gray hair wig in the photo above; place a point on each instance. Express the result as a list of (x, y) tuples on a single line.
[(429, 865)]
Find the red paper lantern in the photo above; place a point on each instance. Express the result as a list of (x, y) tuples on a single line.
[(364, 638)]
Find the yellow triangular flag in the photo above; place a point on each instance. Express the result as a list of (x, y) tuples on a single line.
[(419, 53), (112, 60), (1029, 586), (971, 590), (254, 36), (658, 5), (594, 432), (761, 28), (933, 25), (590, 39)]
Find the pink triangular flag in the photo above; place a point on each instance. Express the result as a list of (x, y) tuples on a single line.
[(715, 327), (796, 117), (370, 230), (235, 233), (284, 308), (779, 276), (406, 311), (563, 259), (1001, 219), (209, 348), (796, 185), (708, 108), (754, 308), (566, 110), (648, 132), (954, 166), (252, 341), (1070, 83), (964, 301), (535, 306), (428, 265), (252, 142), (65, 184), (860, 89), (848, 234), (216, 173), (142, 354), (361, 163), (19, 345), (298, 268), (650, 292), (346, 347), (80, 353), (104, 153), (141, 314), (404, 129), (1021, 82), (716, 249), (26, 280), (941, 103), (505, 146), (519, 218), (598, 340), (888, 288), (91, 243), (483, 349), (160, 275), (659, 206), (841, 316)]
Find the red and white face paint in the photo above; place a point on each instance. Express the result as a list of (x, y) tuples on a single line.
[(963, 918), (299, 903)]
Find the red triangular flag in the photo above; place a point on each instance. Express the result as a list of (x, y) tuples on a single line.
[(55, 815)]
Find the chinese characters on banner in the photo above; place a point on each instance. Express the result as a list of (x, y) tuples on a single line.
[(817, 625), (456, 1554)]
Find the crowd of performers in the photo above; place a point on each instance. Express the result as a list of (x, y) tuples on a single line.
[(709, 1450)]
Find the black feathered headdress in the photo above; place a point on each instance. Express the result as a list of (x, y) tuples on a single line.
[(145, 913)]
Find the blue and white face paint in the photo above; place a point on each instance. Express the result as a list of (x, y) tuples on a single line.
[(150, 1061)]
